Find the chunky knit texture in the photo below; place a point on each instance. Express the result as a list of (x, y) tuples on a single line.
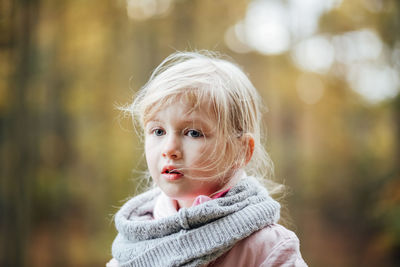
[(193, 236)]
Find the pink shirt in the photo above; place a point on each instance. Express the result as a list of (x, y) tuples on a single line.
[(271, 246)]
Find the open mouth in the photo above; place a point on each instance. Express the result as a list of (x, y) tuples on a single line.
[(171, 173)]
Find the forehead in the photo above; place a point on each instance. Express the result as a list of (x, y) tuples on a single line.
[(191, 106), (185, 114)]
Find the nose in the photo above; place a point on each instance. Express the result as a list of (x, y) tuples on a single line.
[(172, 149)]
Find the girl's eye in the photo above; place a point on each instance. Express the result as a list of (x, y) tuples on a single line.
[(194, 133), (158, 132)]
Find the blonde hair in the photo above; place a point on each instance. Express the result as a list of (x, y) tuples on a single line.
[(199, 78)]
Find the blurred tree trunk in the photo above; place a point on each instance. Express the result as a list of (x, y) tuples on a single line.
[(397, 102), (18, 135)]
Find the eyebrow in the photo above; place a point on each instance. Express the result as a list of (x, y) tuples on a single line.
[(193, 121)]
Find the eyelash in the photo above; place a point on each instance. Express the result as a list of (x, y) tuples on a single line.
[(186, 132), (157, 129), (191, 131)]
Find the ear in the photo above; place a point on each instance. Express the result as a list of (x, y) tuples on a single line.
[(248, 142)]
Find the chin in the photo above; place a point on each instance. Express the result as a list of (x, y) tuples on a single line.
[(177, 195)]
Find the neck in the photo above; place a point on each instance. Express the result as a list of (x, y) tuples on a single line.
[(187, 203)]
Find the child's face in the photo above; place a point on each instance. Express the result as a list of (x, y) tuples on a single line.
[(186, 142)]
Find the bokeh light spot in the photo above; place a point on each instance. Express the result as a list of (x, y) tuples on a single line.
[(310, 88), (314, 54)]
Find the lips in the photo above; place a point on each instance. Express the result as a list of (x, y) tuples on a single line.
[(171, 173)]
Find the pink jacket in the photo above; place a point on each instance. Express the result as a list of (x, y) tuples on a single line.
[(269, 247), (272, 246)]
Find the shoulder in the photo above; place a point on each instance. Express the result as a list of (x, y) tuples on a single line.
[(112, 263), (273, 245), (270, 237), (279, 245)]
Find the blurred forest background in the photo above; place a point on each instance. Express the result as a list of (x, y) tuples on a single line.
[(327, 70)]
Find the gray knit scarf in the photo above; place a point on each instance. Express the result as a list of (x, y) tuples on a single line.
[(193, 236)]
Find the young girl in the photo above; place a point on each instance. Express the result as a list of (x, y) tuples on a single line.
[(201, 120)]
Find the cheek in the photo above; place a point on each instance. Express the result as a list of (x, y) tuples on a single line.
[(150, 152), (221, 156), (214, 150), (207, 154)]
